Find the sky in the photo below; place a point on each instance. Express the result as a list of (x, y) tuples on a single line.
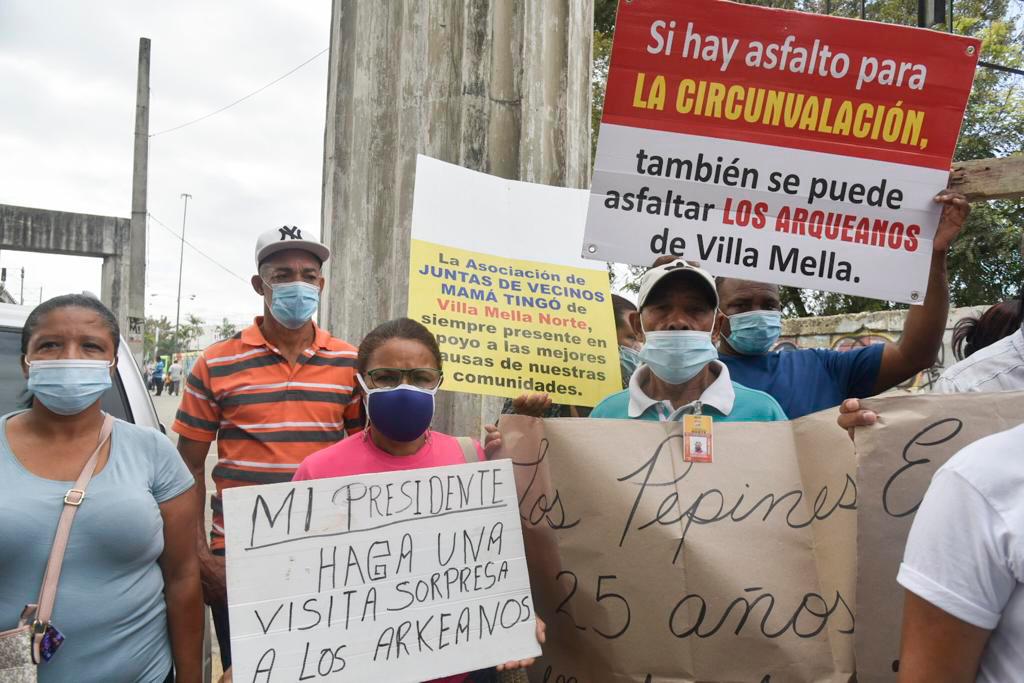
[(67, 84)]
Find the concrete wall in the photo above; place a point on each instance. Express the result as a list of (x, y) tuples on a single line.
[(844, 332), (60, 232), (77, 234), (501, 86)]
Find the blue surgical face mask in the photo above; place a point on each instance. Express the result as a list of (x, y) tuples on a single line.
[(629, 359), (401, 413), (67, 387), (293, 303), (676, 356), (755, 332)]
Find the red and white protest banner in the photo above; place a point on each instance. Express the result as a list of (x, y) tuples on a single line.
[(776, 145)]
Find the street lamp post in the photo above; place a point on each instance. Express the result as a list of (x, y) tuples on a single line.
[(181, 261)]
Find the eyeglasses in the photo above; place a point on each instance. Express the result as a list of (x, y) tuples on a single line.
[(389, 378)]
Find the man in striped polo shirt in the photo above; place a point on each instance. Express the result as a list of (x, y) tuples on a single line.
[(274, 393)]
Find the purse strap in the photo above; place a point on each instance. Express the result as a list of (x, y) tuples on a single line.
[(72, 500), (469, 451)]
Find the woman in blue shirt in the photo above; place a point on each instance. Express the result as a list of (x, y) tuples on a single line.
[(129, 602)]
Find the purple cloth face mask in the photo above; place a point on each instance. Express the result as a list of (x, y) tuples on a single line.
[(401, 413)]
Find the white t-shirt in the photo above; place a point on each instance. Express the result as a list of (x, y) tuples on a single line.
[(965, 554)]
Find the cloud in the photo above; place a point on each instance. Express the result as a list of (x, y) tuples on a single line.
[(67, 78)]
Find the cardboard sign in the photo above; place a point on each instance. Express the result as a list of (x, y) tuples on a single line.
[(399, 576), (494, 274), (895, 463), (777, 146), (649, 569)]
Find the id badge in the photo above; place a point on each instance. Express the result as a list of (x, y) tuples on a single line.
[(52, 640), (697, 438)]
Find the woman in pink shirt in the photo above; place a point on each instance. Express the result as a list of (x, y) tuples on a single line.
[(399, 369)]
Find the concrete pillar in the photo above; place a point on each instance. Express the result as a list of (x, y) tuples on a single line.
[(500, 86), (133, 323), (77, 234), (115, 287)]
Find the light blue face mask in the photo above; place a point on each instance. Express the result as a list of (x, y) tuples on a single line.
[(755, 332), (676, 356), (293, 303), (67, 387), (629, 359)]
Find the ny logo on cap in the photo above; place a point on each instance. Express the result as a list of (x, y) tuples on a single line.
[(290, 233)]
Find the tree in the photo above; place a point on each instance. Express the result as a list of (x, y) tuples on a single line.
[(985, 264), (189, 332), (158, 337), (226, 329)]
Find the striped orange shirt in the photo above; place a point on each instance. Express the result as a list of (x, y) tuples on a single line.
[(266, 414)]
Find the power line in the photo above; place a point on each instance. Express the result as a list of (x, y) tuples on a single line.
[(1000, 67), (197, 249), (241, 99)]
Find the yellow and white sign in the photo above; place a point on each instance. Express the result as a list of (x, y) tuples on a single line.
[(494, 273)]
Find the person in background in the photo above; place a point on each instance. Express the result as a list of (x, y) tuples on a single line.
[(175, 374), (808, 380), (991, 362), (680, 371), (158, 376), (973, 334), (128, 600), (963, 569), (630, 340), (399, 371), (271, 395)]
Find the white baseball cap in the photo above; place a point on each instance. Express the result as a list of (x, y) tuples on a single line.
[(676, 268), (279, 239)]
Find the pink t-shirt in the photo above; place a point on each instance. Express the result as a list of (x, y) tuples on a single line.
[(359, 455)]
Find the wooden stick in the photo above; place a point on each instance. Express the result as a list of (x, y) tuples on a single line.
[(983, 179)]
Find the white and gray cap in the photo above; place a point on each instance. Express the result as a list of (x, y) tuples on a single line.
[(285, 237), (678, 268)]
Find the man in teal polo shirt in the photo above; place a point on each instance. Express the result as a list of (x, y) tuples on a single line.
[(681, 373)]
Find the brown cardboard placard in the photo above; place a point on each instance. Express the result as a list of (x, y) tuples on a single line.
[(647, 568), (895, 462), (628, 545)]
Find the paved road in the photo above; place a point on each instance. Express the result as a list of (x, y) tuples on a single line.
[(166, 407)]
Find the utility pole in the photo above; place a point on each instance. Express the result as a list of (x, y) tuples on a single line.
[(135, 316), (513, 101), (181, 261), (23, 286)]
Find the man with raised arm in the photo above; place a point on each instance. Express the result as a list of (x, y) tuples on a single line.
[(808, 380)]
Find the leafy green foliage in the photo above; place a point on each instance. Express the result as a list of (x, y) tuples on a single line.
[(226, 329), (985, 263), (158, 339)]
